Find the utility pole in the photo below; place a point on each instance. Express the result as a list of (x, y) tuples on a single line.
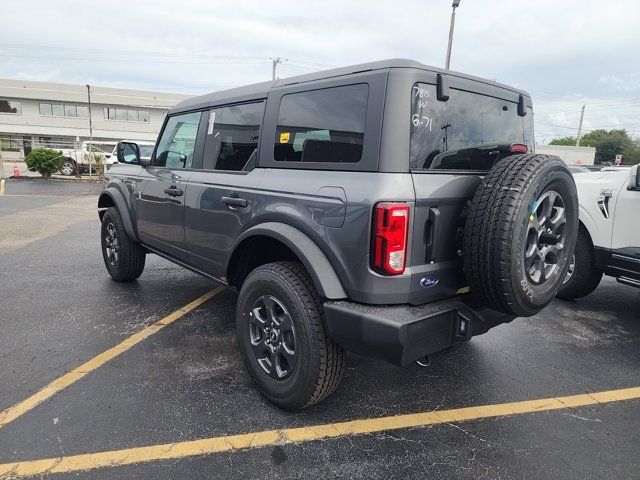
[(275, 61), (90, 133), (580, 126), (454, 5)]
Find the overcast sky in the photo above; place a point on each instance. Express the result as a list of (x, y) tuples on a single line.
[(565, 53)]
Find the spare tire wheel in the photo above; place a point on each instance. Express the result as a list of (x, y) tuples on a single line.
[(520, 233)]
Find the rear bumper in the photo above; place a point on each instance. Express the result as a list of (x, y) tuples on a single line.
[(402, 334)]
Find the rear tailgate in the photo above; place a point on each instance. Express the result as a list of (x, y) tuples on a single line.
[(435, 258)]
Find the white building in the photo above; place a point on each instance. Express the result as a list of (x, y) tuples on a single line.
[(570, 154), (34, 114)]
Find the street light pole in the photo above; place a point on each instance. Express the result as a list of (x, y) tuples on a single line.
[(274, 61), (580, 127), (454, 5), (90, 131)]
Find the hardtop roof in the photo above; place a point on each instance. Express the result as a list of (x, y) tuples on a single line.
[(260, 90)]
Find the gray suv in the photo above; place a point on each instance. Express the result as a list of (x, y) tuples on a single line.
[(390, 208)]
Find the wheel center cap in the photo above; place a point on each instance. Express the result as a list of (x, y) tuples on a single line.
[(549, 238), (274, 335)]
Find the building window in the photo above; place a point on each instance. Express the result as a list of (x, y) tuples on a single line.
[(10, 106), (11, 144), (56, 143), (63, 110), (45, 110), (58, 109), (126, 114)]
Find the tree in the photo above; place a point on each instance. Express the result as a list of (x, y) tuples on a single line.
[(563, 141), (608, 144), (45, 161)]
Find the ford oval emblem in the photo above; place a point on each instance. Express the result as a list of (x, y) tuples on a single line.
[(429, 281)]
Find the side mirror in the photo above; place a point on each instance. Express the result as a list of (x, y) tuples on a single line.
[(129, 153), (634, 178)]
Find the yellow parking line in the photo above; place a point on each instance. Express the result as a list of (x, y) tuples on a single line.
[(231, 443), (60, 383)]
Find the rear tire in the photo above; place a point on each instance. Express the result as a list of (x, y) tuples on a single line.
[(123, 257), (288, 353), (585, 276), (520, 233)]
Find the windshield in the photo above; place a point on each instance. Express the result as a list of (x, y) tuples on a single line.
[(460, 134), (146, 151)]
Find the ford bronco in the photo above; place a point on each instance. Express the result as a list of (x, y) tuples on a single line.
[(608, 236), (390, 209)]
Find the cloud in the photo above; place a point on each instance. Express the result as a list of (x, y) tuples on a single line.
[(565, 55), (624, 83)]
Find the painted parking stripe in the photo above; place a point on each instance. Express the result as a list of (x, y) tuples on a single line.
[(267, 438), (60, 383)]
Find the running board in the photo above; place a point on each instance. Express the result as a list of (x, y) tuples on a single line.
[(629, 281)]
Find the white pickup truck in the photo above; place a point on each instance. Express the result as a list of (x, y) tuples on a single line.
[(78, 159), (609, 232)]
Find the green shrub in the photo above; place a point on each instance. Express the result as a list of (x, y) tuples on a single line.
[(45, 161), (97, 162)]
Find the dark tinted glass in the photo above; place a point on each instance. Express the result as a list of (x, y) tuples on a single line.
[(232, 136), (464, 132), (322, 125)]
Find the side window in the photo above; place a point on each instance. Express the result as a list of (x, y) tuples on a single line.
[(232, 136), (178, 140), (322, 125)]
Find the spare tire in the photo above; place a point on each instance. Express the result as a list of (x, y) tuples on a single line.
[(520, 233)]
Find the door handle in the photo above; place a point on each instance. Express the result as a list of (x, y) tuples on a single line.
[(173, 191), (234, 201)]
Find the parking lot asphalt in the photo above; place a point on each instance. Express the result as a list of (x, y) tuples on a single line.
[(186, 381)]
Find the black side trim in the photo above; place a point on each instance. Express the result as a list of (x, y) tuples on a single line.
[(618, 263)]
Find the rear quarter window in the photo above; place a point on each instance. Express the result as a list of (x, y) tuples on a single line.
[(462, 133), (324, 125)]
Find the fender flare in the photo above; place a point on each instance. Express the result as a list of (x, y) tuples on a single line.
[(314, 260), (121, 205), (592, 228)]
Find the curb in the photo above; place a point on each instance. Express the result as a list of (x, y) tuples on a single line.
[(55, 179)]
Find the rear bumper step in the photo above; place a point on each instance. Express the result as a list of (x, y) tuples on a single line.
[(401, 334)]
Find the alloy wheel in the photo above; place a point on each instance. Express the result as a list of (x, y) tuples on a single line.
[(545, 237), (272, 337), (111, 245)]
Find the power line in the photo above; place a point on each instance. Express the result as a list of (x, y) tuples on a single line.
[(121, 60), (130, 52)]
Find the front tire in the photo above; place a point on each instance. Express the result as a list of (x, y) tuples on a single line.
[(584, 277), (123, 257), (283, 337)]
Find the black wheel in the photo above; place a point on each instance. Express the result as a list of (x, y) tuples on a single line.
[(123, 257), (283, 337), (68, 168), (582, 277), (520, 233)]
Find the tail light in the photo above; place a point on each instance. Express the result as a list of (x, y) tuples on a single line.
[(518, 148), (389, 238)]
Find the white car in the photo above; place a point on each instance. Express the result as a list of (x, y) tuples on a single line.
[(146, 150), (609, 231)]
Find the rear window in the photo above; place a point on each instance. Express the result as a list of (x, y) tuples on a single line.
[(462, 133), (322, 125)]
